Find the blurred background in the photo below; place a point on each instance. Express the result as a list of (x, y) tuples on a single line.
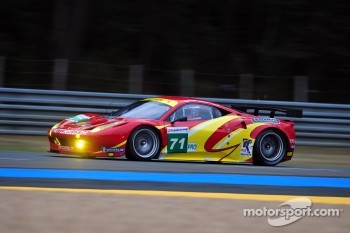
[(289, 50)]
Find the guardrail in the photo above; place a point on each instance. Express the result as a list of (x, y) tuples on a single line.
[(33, 112)]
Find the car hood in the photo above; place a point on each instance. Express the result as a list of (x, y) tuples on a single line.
[(89, 121)]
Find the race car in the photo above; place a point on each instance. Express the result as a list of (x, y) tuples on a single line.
[(180, 128)]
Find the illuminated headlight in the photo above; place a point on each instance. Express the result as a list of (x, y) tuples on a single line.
[(80, 144)]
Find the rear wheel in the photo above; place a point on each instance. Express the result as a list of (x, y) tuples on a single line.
[(269, 148), (143, 144)]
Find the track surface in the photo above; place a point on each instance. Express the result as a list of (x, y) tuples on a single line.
[(51, 170)]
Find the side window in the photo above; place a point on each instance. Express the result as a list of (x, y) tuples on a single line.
[(195, 112), (217, 112)]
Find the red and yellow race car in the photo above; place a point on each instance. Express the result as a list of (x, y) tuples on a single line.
[(179, 128)]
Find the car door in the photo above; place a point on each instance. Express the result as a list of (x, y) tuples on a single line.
[(192, 132)]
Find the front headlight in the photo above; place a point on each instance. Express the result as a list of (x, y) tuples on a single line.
[(80, 144)]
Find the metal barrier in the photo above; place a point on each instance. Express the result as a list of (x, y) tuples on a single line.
[(33, 112)]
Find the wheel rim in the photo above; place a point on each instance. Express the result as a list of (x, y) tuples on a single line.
[(145, 143), (271, 146)]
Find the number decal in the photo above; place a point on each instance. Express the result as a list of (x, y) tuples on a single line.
[(177, 139), (182, 142), (173, 142)]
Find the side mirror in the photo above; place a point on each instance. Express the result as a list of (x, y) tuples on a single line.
[(179, 119)]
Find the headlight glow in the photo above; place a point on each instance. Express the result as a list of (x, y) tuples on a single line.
[(80, 144)]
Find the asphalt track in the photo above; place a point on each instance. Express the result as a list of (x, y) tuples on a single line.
[(47, 170)]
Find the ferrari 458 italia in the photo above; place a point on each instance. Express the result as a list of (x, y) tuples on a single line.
[(179, 128)]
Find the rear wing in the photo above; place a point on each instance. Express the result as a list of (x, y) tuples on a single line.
[(289, 112)]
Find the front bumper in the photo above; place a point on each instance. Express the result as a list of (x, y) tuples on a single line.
[(82, 147)]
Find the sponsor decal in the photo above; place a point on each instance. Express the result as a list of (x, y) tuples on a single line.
[(70, 131), (79, 118), (246, 147), (292, 142), (177, 130), (65, 147), (265, 120), (118, 150), (171, 103), (209, 159), (192, 147)]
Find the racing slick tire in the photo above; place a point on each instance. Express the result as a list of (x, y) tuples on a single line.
[(269, 148), (143, 144)]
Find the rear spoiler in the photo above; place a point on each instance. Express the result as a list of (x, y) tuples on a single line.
[(290, 112)]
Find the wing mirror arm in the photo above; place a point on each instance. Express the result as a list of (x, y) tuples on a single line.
[(179, 119)]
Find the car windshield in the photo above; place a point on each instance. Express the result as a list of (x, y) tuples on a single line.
[(143, 109)]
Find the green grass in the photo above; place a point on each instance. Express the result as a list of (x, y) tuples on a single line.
[(24, 143), (303, 156)]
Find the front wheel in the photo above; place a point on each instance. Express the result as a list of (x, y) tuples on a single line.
[(269, 148), (143, 144)]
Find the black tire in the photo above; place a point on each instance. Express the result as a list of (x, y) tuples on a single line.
[(269, 148), (143, 144)]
